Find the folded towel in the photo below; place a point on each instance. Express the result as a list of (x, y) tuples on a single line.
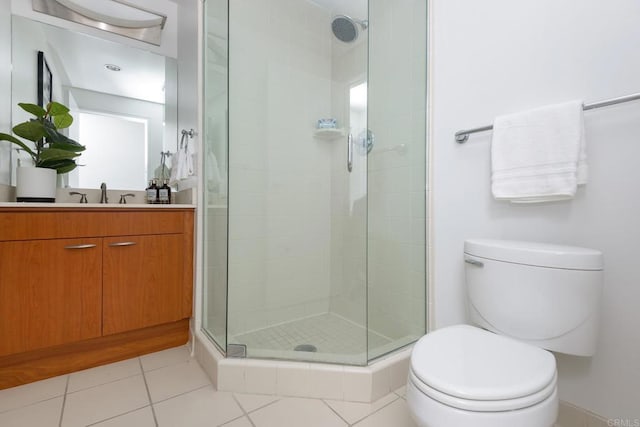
[(539, 155)]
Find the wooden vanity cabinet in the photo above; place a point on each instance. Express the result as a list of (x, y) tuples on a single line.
[(139, 282), (84, 287), (50, 293)]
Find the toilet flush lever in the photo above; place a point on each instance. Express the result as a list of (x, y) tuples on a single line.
[(474, 262)]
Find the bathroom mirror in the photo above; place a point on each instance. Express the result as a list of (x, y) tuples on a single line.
[(123, 100)]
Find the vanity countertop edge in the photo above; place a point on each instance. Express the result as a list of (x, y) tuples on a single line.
[(89, 206)]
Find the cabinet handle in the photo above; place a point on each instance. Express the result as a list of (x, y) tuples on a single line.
[(122, 244), (86, 246)]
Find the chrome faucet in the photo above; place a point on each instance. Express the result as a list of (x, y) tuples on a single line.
[(103, 195), (83, 196), (123, 198)]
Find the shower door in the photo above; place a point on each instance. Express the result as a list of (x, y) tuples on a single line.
[(297, 190), (215, 166), (315, 178), (396, 232)]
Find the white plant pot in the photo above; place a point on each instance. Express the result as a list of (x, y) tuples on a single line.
[(35, 184)]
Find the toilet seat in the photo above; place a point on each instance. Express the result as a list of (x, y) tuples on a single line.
[(484, 405), (471, 369)]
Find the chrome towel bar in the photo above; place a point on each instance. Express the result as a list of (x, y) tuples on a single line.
[(463, 135)]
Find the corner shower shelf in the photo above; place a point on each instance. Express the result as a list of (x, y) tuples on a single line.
[(328, 134)]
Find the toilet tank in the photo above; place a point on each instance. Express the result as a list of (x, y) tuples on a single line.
[(546, 295)]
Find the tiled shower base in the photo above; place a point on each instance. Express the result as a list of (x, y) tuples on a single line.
[(336, 340), (303, 379)]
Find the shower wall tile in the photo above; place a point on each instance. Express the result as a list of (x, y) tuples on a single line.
[(250, 181), (286, 312), (245, 251), (246, 226), (251, 204), (280, 222)]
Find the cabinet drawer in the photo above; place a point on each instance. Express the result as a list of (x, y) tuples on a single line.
[(27, 225)]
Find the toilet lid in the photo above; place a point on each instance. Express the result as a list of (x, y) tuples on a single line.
[(470, 363)]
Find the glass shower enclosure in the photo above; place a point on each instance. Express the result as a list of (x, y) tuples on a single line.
[(315, 178)]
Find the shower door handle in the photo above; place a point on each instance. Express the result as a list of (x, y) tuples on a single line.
[(350, 152)]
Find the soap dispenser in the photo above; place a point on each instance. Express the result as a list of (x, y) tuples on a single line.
[(164, 193), (152, 192)]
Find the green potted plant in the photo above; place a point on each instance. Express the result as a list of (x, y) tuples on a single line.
[(51, 151)]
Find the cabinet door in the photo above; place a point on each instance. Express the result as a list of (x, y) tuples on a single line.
[(142, 281), (50, 293)]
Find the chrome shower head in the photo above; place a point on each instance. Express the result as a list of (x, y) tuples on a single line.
[(345, 28)]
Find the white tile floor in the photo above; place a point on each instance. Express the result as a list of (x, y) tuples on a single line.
[(168, 389)]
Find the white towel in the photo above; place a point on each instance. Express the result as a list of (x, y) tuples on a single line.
[(182, 164), (539, 155), (176, 167)]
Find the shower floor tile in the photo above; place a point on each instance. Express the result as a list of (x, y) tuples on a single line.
[(334, 337)]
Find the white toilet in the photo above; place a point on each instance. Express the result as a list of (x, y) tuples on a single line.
[(529, 297)]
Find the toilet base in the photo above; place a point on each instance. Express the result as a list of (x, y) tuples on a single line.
[(428, 412)]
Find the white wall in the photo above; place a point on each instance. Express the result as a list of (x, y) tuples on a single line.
[(187, 103), (5, 88), (24, 84), (188, 64), (499, 56)]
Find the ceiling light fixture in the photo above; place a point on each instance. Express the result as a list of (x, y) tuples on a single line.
[(112, 67), (115, 16)]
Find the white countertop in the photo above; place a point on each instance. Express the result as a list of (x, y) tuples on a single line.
[(94, 205)]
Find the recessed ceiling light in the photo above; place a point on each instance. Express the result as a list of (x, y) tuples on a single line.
[(112, 67)]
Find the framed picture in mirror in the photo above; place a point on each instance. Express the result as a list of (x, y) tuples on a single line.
[(45, 81)]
